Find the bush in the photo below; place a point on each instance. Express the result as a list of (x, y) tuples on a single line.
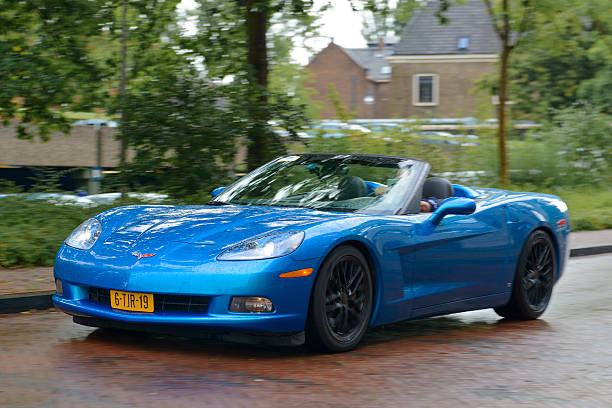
[(31, 231), (407, 142), (574, 148)]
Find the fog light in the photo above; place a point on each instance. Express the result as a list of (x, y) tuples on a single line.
[(251, 305), (58, 287)]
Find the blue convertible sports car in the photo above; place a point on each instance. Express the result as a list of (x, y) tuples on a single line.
[(320, 245)]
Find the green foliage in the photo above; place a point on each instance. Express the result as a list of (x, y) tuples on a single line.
[(400, 142), (563, 57), (31, 231), (386, 19), (342, 111), (598, 90), (183, 128), (44, 60), (589, 208), (287, 79), (574, 148)]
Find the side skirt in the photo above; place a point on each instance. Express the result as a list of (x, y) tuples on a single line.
[(481, 302)]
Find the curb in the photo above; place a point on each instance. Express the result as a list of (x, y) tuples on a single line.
[(594, 250), (21, 302)]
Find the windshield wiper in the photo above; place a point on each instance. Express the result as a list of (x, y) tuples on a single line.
[(218, 203)]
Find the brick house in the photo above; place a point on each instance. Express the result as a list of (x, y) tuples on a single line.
[(360, 75), (434, 66)]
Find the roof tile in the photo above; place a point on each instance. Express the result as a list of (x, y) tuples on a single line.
[(372, 60), (424, 35)]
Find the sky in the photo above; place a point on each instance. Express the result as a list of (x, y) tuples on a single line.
[(339, 23)]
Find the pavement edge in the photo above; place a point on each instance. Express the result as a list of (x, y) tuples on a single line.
[(21, 302)]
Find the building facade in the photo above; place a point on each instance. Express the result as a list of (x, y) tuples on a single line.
[(360, 76), (435, 66)]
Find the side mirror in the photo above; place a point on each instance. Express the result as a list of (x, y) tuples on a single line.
[(458, 205), (217, 191)]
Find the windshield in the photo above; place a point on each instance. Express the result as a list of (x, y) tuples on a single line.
[(326, 182)]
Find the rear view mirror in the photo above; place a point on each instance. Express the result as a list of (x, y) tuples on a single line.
[(458, 205)]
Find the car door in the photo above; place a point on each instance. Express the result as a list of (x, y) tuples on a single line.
[(461, 258)]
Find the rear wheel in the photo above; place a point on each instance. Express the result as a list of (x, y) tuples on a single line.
[(341, 303), (533, 280)]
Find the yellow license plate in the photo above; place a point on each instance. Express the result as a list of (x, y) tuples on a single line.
[(136, 302)]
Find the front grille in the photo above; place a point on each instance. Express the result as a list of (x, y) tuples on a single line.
[(163, 303)]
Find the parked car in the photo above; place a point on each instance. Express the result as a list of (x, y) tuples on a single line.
[(108, 198), (335, 129), (88, 200), (55, 198), (319, 246)]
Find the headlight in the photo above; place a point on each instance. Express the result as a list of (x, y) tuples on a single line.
[(268, 246), (85, 235)]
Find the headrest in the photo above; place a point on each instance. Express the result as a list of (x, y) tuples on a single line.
[(437, 187), (351, 187)]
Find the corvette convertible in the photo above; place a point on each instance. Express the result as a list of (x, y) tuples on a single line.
[(318, 246)]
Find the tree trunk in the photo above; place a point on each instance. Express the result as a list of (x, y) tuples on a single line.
[(501, 116), (123, 90), (257, 25), (504, 35)]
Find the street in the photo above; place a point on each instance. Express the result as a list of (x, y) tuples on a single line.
[(474, 359)]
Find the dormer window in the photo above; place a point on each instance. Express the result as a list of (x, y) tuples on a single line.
[(463, 43)]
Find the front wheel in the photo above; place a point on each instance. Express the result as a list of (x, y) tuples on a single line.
[(341, 303), (533, 280)]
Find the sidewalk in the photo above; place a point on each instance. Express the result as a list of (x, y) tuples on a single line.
[(31, 288), (591, 242)]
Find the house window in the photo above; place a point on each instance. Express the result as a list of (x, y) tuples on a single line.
[(425, 90), (463, 43)]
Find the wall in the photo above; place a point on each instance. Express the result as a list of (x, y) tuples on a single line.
[(456, 84), (333, 66), (75, 150)]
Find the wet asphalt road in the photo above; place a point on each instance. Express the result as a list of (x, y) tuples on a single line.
[(468, 359)]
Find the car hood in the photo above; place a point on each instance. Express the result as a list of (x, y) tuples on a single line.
[(152, 226)]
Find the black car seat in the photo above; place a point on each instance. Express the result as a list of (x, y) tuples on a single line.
[(351, 187), (437, 187)]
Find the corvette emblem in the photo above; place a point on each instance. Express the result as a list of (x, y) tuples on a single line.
[(139, 255)]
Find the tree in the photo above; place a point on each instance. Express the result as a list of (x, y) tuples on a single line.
[(511, 19), (263, 144), (567, 58), (234, 39), (288, 79), (383, 19), (45, 63), (510, 22), (182, 127), (137, 29)]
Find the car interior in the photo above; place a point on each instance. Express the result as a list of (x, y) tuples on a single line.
[(351, 187)]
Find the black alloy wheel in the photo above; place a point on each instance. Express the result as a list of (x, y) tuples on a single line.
[(534, 279), (341, 303)]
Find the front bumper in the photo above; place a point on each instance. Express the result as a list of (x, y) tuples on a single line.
[(187, 275), (216, 318)]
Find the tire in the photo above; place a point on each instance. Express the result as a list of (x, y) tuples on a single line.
[(533, 280), (341, 302)]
